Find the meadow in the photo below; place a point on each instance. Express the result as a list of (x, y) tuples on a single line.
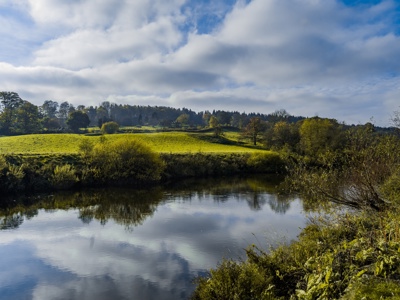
[(164, 142)]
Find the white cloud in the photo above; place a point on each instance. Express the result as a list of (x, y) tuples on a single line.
[(86, 51)]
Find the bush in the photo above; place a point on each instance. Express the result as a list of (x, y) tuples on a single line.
[(232, 280), (125, 161), (63, 177), (265, 163), (109, 127)]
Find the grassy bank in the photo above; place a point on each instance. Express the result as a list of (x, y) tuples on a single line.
[(63, 161)]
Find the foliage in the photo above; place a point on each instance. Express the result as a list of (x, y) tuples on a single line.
[(283, 135), (266, 162), (125, 161), (77, 120), (317, 136), (64, 177), (109, 127), (254, 130), (27, 118), (355, 177), (333, 258), (10, 103), (232, 280), (213, 122)]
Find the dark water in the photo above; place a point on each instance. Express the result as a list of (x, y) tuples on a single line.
[(137, 244)]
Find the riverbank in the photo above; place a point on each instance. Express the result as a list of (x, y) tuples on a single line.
[(350, 256), (36, 173)]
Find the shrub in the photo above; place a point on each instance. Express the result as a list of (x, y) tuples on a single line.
[(232, 280), (265, 163), (109, 127), (63, 177), (126, 161)]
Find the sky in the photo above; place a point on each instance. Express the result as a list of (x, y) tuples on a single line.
[(329, 58)]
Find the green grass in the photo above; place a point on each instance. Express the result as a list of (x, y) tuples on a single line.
[(166, 142)]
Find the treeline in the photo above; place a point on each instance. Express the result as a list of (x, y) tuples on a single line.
[(18, 116)]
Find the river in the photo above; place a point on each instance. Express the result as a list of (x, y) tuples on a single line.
[(137, 244)]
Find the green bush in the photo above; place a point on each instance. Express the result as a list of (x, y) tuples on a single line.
[(232, 280), (265, 163), (64, 177), (125, 161), (374, 290), (109, 127)]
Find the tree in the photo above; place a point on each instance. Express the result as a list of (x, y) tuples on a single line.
[(367, 164), (183, 119), (318, 135), (10, 102), (49, 108), (51, 123), (27, 118), (78, 119), (254, 130), (213, 122), (282, 134), (64, 110)]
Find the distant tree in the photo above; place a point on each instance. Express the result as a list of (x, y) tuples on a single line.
[(27, 118), (206, 117), (63, 112), (183, 119), (77, 120), (282, 134), (102, 116), (213, 122), (254, 130), (49, 108), (110, 127), (51, 123), (224, 118), (140, 119), (10, 102), (317, 135)]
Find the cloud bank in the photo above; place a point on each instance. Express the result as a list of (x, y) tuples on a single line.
[(311, 57)]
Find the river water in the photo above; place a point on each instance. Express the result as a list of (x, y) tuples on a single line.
[(137, 244)]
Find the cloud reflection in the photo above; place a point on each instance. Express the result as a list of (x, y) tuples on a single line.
[(179, 236)]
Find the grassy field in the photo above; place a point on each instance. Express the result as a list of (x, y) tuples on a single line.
[(166, 142)]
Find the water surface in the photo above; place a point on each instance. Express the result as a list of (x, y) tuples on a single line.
[(137, 244)]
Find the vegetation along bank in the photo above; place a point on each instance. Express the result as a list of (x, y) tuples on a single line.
[(41, 164)]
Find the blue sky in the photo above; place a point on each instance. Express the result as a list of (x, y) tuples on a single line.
[(330, 58)]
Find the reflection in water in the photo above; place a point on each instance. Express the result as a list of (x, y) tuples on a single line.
[(131, 207), (135, 244)]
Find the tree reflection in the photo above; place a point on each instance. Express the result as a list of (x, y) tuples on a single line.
[(11, 222), (130, 207)]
